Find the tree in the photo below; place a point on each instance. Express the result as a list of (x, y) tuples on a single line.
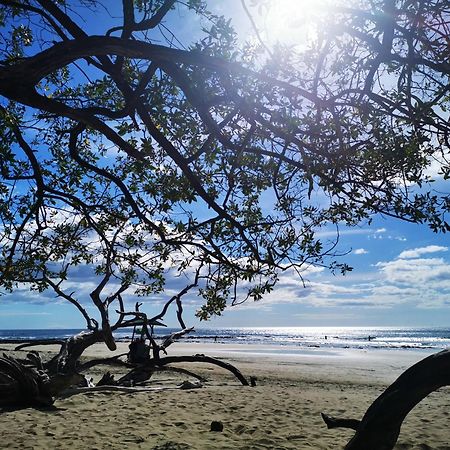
[(137, 156)]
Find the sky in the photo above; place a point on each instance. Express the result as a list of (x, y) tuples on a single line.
[(400, 277)]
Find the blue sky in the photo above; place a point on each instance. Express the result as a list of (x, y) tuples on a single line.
[(401, 277)]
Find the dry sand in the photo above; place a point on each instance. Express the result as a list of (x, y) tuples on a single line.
[(281, 412)]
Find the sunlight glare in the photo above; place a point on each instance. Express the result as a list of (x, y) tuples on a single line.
[(293, 22)]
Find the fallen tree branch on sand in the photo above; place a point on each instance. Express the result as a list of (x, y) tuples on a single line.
[(113, 361), (380, 427), (181, 371), (203, 359), (22, 384), (124, 389), (33, 343), (143, 372), (64, 369), (33, 382), (334, 422)]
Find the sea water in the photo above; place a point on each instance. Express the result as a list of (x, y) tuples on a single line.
[(292, 337)]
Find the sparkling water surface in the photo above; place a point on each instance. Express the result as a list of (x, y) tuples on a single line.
[(298, 337)]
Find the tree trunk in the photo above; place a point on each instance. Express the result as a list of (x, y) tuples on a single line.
[(68, 357), (380, 426)]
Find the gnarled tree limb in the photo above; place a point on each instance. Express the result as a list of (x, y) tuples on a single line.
[(203, 359), (380, 427)]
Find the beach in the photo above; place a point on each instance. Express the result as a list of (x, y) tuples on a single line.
[(281, 412)]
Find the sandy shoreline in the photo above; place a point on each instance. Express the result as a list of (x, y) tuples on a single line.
[(281, 412)]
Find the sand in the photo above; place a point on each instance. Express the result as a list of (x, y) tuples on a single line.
[(281, 412)]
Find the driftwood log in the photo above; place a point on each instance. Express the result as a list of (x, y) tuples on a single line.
[(22, 385), (143, 372), (25, 383), (380, 427), (34, 382), (204, 359)]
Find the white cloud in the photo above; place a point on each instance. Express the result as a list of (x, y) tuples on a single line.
[(417, 271), (414, 282), (380, 230), (416, 252), (360, 251), (332, 288), (344, 232)]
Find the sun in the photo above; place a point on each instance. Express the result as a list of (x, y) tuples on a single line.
[(292, 22)]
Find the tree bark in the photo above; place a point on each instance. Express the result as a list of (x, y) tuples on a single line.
[(22, 385), (67, 361)]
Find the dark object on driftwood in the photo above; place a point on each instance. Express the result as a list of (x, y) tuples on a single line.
[(139, 352), (380, 426), (216, 426)]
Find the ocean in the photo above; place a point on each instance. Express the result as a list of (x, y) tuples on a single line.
[(295, 337)]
